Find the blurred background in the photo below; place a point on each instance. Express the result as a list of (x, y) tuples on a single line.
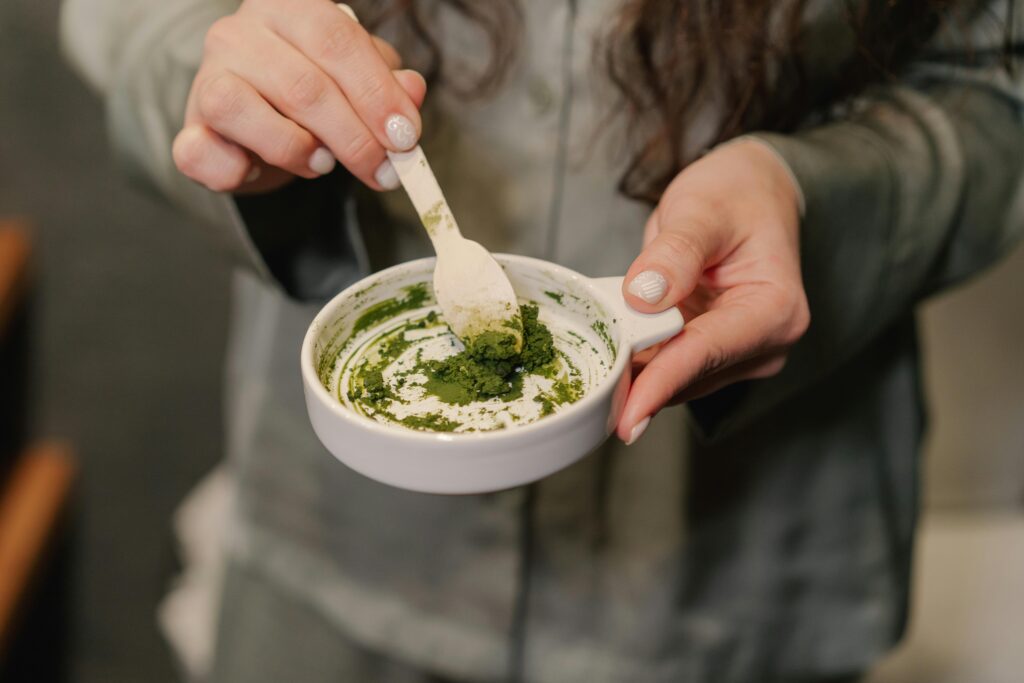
[(126, 332)]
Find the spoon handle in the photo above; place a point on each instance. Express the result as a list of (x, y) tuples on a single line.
[(421, 186)]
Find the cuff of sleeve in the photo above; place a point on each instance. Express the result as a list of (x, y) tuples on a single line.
[(797, 185)]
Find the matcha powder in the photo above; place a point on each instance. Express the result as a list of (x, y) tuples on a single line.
[(487, 368)]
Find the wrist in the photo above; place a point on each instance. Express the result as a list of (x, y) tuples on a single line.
[(781, 181)]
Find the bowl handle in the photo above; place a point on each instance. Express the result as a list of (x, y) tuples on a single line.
[(640, 329)]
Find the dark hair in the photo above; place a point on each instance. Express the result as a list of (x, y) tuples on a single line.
[(671, 58)]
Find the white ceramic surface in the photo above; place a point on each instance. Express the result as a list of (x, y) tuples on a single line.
[(462, 463)]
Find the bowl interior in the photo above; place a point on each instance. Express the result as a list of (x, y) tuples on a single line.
[(403, 290)]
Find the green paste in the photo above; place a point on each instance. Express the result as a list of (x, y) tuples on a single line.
[(415, 297), (488, 367)]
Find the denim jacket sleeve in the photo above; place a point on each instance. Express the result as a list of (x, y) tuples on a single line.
[(919, 186), (142, 55)]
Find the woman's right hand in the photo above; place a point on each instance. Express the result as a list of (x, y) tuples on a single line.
[(285, 88)]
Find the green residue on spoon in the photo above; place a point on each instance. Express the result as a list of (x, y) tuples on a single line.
[(432, 218)]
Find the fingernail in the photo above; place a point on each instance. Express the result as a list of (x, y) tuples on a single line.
[(400, 132), (638, 430), (649, 285), (349, 11), (254, 173), (417, 74), (321, 161), (386, 176)]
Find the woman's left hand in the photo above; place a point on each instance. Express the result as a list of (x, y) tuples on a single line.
[(723, 246)]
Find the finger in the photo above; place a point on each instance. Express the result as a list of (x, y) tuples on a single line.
[(209, 159), (235, 110), (650, 231), (708, 344), (386, 177), (388, 53), (300, 90), (414, 85), (346, 53), (670, 265)]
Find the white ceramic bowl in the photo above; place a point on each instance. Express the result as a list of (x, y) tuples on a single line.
[(478, 462)]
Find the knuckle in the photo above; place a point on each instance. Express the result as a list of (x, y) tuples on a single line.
[(770, 368), (219, 35), (372, 88), (340, 41), (306, 91), (219, 98), (715, 357), (188, 154), (223, 182), (789, 307), (359, 150), (682, 247), (286, 152), (799, 320)]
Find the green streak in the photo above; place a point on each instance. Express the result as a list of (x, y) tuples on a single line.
[(555, 296), (415, 296), (602, 331)]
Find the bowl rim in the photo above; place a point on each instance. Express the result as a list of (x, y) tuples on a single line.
[(591, 399)]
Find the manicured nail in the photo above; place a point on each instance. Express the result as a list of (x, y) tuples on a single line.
[(349, 11), (400, 132), (254, 173), (321, 161), (638, 430), (386, 176), (417, 74), (649, 285)]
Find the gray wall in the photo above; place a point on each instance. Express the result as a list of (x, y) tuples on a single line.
[(129, 335), (130, 329), (974, 351)]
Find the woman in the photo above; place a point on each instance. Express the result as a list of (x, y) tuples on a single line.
[(882, 161)]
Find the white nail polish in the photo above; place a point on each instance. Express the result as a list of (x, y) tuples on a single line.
[(321, 161), (649, 285), (386, 176), (254, 173), (638, 430), (349, 11), (400, 132)]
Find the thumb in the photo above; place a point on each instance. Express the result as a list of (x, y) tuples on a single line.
[(413, 83), (678, 249)]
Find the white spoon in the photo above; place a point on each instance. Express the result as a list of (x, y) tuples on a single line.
[(472, 290)]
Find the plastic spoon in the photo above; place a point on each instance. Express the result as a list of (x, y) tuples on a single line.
[(472, 290)]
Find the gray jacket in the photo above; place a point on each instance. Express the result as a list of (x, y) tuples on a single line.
[(776, 545)]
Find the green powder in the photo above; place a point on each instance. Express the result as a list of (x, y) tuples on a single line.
[(487, 368), (490, 367), (415, 296)]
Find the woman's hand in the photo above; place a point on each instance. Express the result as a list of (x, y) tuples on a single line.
[(285, 88), (723, 245)]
